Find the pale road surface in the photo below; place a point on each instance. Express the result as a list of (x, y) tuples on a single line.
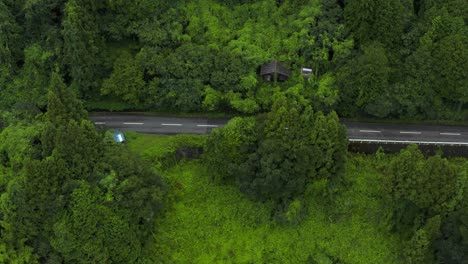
[(357, 131)]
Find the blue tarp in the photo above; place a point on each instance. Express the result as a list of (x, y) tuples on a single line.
[(119, 136)]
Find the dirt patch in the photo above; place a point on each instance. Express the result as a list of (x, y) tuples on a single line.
[(188, 153)]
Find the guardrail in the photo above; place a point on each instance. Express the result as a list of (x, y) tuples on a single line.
[(391, 141)]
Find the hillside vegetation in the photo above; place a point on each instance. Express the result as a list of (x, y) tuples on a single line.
[(377, 58), (274, 185), (400, 208)]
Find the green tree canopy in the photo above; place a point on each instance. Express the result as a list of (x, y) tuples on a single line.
[(275, 158)]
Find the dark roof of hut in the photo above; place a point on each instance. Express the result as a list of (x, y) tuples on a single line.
[(274, 67)]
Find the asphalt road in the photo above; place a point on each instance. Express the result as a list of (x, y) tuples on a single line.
[(156, 124), (357, 132)]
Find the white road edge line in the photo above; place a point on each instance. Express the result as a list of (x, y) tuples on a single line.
[(207, 126), (130, 123), (171, 124), (370, 131), (410, 132), (99, 123), (450, 134), (407, 141)]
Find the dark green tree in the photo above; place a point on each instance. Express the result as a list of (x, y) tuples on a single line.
[(420, 189), (427, 204), (126, 80), (450, 58), (91, 232), (32, 82), (42, 21), (75, 197), (364, 82), (290, 148), (10, 51), (62, 102), (378, 20), (83, 45), (230, 146), (451, 246)]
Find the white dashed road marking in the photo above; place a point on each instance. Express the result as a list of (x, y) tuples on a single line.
[(370, 131), (129, 123), (99, 123), (407, 141), (171, 124), (451, 134), (207, 126), (410, 132)]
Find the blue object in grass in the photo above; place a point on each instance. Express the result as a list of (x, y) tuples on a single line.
[(119, 136)]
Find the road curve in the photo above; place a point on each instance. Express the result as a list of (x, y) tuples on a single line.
[(356, 131)]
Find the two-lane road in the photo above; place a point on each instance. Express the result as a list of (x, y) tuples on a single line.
[(357, 131), (402, 133), (156, 124)]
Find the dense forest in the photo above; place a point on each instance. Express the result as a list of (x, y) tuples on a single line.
[(372, 58), (70, 194), (276, 184)]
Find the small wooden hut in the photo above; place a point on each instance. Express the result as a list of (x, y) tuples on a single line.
[(274, 71)]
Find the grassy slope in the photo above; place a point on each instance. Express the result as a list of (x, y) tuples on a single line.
[(210, 222), (154, 148)]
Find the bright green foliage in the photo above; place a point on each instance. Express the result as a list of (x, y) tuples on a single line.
[(327, 92), (156, 148), (212, 99), (213, 222), (377, 58)]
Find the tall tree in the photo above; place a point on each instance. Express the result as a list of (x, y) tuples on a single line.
[(425, 198), (83, 45), (62, 102), (126, 80), (450, 60), (451, 246), (290, 148), (365, 82), (91, 232), (42, 21), (76, 197), (32, 82), (10, 52), (376, 20)]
